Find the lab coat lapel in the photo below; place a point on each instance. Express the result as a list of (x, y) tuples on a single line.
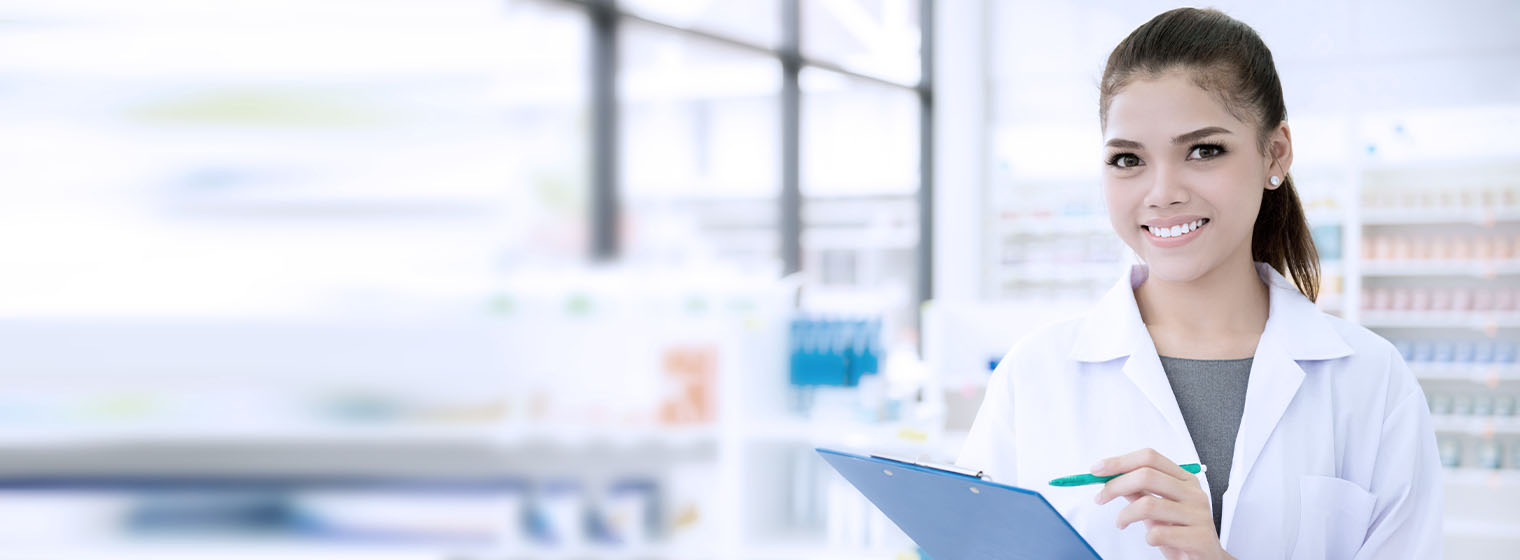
[(1275, 379), (1143, 368), (1115, 330), (1295, 330)]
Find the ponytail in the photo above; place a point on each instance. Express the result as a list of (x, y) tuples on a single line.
[(1281, 239)]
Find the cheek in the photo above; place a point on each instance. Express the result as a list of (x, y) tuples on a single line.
[(1236, 203), (1233, 195), (1121, 205)]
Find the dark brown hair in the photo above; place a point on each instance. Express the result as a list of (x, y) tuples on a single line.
[(1226, 58)]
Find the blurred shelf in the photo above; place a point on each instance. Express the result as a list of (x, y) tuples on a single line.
[(1422, 216), (1481, 529), (828, 553), (66, 436), (667, 436), (1476, 425), (817, 238), (1056, 225), (230, 548), (1476, 373), (1074, 272), (834, 434), (1479, 321), (340, 456), (1487, 478), (1475, 269), (802, 547), (646, 552), (265, 549), (391, 435), (141, 552)]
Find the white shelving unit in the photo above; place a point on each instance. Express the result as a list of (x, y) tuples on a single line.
[(538, 423), (1476, 522), (1469, 268)]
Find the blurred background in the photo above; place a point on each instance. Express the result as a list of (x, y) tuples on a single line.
[(591, 279)]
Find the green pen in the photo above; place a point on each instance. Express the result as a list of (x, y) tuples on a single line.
[(1085, 479)]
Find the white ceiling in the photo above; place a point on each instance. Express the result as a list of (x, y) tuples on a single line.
[(1333, 55)]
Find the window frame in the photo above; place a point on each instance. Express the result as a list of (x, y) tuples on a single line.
[(607, 16)]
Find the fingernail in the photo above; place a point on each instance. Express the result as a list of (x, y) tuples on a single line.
[(1098, 466)]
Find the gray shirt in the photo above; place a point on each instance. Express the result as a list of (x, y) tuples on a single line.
[(1212, 397)]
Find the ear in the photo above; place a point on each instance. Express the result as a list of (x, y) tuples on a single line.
[(1279, 153)]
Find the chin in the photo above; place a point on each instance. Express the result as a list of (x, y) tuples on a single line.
[(1178, 268)]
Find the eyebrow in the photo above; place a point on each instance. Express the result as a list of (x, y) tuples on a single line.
[(1199, 134)]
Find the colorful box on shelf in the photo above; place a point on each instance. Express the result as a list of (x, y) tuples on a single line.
[(1398, 248), (1482, 453), (1422, 352), (1433, 205), (1327, 239), (1420, 299), (834, 352)]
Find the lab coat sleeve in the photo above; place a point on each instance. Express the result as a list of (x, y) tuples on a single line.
[(989, 446), (1407, 481)]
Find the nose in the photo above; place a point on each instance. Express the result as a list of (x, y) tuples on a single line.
[(1166, 187)]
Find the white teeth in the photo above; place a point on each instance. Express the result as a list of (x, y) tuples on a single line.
[(1176, 230)]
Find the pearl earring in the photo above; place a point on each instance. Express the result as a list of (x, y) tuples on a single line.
[(1275, 180)]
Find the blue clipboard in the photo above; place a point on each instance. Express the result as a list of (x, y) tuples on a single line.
[(956, 514)]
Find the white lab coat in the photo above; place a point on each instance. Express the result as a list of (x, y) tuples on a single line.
[(1335, 457)]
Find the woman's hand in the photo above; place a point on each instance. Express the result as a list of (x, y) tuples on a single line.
[(1169, 500)]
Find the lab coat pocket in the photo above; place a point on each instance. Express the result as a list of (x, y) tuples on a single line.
[(1333, 518)]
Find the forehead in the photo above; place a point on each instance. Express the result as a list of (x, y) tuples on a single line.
[(1153, 110)]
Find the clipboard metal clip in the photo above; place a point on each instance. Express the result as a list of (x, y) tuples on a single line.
[(936, 466)]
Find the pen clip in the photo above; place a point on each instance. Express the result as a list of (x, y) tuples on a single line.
[(939, 467)]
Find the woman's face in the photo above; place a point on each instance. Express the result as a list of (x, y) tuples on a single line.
[(1183, 178)]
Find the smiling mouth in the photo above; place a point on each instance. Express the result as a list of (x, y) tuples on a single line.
[(1175, 231)]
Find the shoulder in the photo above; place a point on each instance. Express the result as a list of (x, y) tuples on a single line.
[(1045, 350), (1375, 364), (1363, 342), (1053, 340)]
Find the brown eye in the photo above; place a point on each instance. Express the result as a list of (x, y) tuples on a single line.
[(1124, 161), (1206, 151)]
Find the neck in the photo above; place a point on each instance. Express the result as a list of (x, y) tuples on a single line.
[(1228, 301)]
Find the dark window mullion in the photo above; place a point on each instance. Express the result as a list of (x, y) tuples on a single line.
[(604, 132), (605, 195), (791, 119), (925, 284)]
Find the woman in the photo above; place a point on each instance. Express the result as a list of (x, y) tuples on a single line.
[(1315, 435)]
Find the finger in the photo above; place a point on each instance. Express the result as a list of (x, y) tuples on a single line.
[(1181, 541), (1164, 535), (1142, 458), (1153, 509), (1147, 480), (1128, 498)]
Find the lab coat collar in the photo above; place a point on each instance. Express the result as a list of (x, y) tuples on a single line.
[(1295, 326), (1295, 331)]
